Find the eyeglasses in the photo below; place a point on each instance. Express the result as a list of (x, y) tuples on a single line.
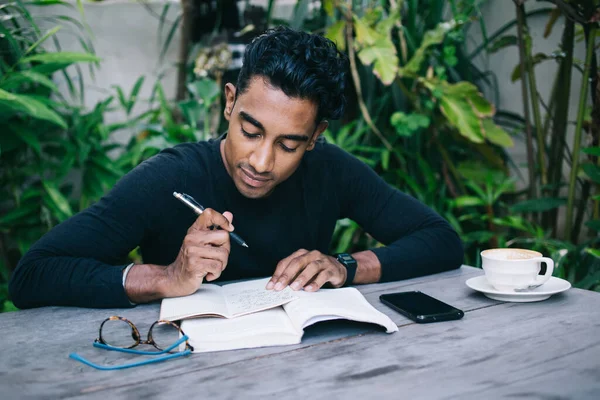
[(119, 334)]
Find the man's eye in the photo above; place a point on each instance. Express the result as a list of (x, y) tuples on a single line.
[(286, 149), (249, 135)]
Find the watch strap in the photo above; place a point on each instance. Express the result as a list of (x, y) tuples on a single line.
[(351, 265)]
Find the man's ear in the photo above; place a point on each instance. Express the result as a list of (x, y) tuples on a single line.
[(229, 100), (320, 129)]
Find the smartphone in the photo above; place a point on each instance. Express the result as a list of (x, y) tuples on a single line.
[(420, 307)]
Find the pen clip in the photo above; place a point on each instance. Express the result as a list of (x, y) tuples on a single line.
[(192, 201)]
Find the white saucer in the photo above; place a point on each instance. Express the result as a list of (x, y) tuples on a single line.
[(553, 286)]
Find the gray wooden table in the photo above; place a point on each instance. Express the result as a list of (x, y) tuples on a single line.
[(548, 350)]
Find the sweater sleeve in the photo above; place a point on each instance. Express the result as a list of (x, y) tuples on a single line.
[(417, 240), (80, 261)]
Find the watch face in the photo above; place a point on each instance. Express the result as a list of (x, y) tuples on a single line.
[(346, 258)]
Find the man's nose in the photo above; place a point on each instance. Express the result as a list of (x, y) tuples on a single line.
[(262, 158)]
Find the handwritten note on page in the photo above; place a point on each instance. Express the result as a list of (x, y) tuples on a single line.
[(255, 299)]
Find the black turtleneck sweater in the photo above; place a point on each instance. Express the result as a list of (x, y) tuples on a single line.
[(80, 261)]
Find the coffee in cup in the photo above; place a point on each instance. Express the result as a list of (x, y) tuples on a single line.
[(515, 269)]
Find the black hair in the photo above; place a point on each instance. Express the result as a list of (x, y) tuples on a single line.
[(302, 65)]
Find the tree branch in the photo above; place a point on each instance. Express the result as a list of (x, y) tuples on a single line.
[(356, 79), (568, 10), (525, 96)]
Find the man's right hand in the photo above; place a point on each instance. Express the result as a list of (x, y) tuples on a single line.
[(203, 254)]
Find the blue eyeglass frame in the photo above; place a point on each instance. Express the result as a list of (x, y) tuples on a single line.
[(99, 343)]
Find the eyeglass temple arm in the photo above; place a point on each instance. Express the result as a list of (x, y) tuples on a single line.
[(77, 357)]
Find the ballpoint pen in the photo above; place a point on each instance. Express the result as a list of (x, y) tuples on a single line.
[(198, 209)]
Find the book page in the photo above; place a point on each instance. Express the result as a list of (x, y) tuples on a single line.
[(247, 297), (207, 300), (328, 304), (266, 328)]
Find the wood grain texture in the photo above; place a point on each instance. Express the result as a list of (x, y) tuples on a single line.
[(531, 350)]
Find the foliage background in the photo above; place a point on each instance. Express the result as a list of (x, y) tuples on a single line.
[(416, 115)]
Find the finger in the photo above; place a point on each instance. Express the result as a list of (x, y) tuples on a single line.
[(229, 217), (220, 254), (211, 218), (322, 278), (294, 267), (282, 265), (205, 268), (307, 274), (197, 238)]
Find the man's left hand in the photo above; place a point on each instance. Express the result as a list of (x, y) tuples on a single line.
[(309, 270)]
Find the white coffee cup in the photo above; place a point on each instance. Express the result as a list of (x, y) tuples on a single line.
[(509, 270)]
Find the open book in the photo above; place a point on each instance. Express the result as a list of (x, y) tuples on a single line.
[(228, 301), (282, 325)]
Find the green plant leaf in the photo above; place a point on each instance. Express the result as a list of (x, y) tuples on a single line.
[(365, 36), (300, 14), (9, 307), (345, 240), (335, 33), (205, 89), (66, 164), (15, 79), (481, 106), (593, 224), (50, 68), (137, 86), (170, 35), (592, 279), (478, 172), (41, 40), (536, 59), (57, 201), (554, 15), (431, 38), (459, 89), (468, 201), (32, 107), (459, 114), (121, 96), (592, 171), (594, 252), (329, 7), (61, 57), (101, 161), (386, 24), (514, 222), (538, 205), (503, 42), (385, 160), (593, 151), (19, 213), (192, 110), (382, 54), (408, 124), (371, 15), (495, 134), (479, 236), (31, 139)]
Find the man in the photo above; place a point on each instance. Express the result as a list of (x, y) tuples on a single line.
[(285, 188)]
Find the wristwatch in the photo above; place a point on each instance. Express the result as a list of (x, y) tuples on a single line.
[(350, 263)]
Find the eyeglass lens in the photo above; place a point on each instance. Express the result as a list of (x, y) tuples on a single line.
[(164, 335), (118, 333)]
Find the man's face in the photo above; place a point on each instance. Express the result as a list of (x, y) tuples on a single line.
[(268, 134)]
